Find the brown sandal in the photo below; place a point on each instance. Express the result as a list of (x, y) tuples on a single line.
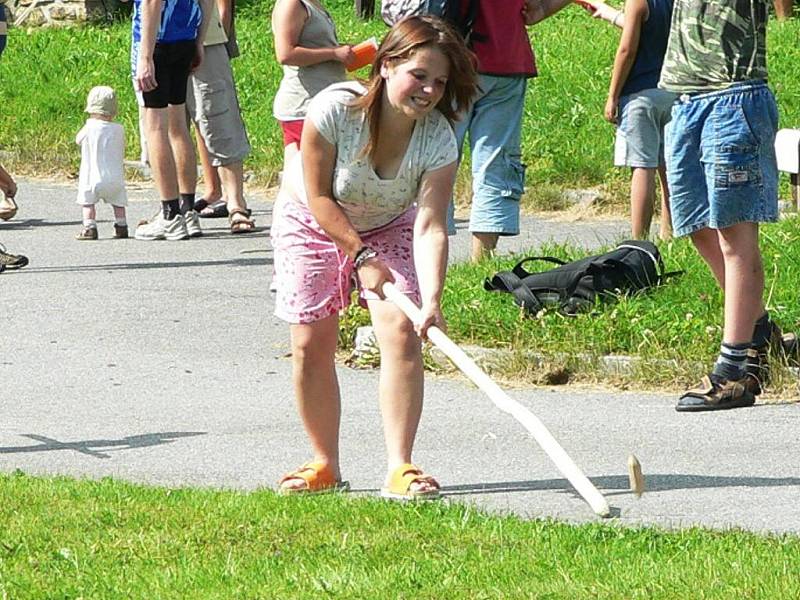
[(243, 224), (8, 208)]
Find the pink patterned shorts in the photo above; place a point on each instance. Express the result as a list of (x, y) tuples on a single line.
[(314, 278)]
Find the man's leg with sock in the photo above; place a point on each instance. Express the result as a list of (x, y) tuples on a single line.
[(185, 167), (162, 163)]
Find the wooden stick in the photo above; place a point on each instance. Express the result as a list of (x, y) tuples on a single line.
[(504, 402), (635, 477)]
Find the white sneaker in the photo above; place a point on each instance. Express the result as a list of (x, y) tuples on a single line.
[(161, 229), (193, 224)]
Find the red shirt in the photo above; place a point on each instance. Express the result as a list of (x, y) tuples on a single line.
[(500, 39)]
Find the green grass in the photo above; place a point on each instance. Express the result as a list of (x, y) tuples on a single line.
[(63, 538), (679, 321), (46, 74)]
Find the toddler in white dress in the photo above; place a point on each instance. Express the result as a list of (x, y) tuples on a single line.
[(102, 174)]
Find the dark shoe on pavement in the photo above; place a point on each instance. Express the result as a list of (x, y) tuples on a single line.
[(713, 393), (87, 233), (121, 232), (11, 261)]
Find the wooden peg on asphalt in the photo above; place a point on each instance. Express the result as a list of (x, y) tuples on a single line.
[(635, 476)]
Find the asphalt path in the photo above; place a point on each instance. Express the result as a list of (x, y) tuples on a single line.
[(161, 362)]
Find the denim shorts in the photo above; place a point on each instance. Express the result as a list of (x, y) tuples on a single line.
[(640, 133), (720, 157), (494, 125), (3, 28)]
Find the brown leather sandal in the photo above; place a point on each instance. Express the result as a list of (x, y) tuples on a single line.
[(712, 394), (8, 208), (242, 224)]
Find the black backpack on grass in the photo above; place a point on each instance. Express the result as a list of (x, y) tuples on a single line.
[(631, 267)]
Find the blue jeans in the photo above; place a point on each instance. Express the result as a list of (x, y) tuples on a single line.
[(720, 157), (494, 124)]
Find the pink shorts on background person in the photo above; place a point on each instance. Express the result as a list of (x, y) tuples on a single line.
[(314, 278), (292, 132)]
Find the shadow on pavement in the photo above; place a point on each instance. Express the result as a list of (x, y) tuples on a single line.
[(93, 447), (241, 262), (614, 485), (31, 223)]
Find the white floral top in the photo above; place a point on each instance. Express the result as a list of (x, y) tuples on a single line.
[(369, 201)]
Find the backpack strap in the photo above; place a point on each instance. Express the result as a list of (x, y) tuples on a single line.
[(508, 281), (505, 281), (522, 273)]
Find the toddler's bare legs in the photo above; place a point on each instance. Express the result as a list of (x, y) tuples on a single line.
[(120, 217), (89, 214)]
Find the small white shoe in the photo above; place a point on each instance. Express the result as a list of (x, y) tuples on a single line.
[(193, 224), (162, 229)]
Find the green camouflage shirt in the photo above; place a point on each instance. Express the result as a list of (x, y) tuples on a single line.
[(715, 43)]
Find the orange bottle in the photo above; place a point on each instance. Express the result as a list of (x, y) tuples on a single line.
[(364, 54)]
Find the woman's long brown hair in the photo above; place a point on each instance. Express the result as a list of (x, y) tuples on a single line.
[(405, 38)]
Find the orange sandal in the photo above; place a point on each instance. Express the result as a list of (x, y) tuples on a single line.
[(319, 479), (403, 477)]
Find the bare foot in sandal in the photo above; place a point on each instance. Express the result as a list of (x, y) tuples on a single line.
[(240, 221), (312, 478), (409, 482)]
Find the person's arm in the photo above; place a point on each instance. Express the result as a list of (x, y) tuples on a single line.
[(225, 8), (7, 183), (600, 10), (81, 135), (430, 243), (636, 13), (538, 10), (288, 19), (319, 159), (145, 68)]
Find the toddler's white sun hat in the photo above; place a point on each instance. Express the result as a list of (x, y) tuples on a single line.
[(102, 101)]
